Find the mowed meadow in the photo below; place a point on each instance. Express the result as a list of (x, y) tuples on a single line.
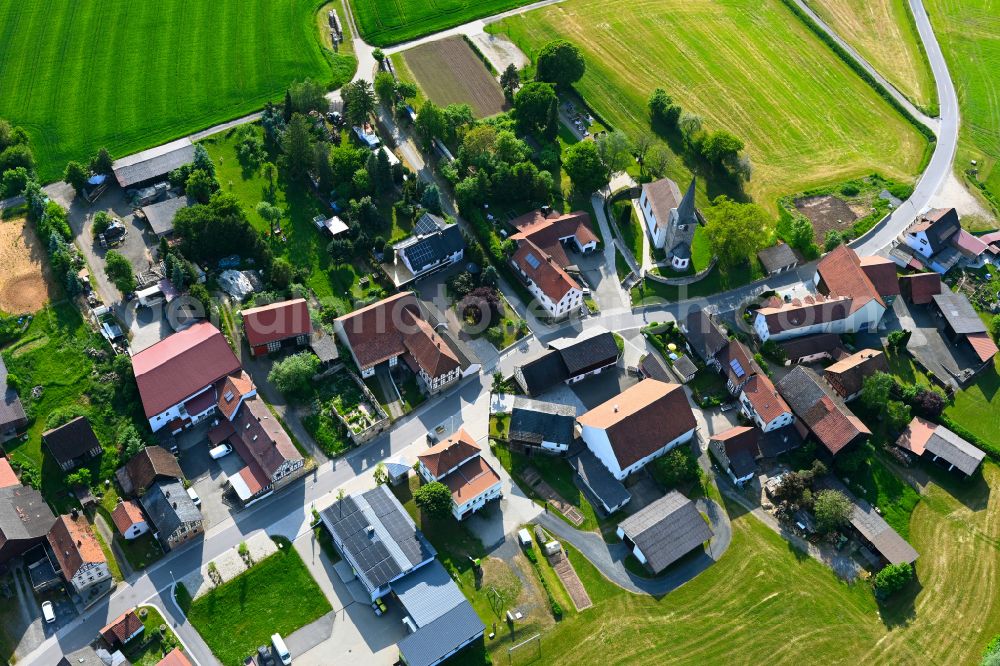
[(131, 75), (385, 22), (748, 66), (883, 33)]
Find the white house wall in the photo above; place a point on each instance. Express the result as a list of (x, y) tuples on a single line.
[(597, 441)]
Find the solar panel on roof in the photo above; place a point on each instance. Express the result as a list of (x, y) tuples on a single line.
[(425, 225), (532, 260), (737, 368), (420, 254), (380, 504)]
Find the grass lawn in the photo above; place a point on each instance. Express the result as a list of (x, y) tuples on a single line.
[(52, 354), (333, 283), (746, 66), (884, 33), (651, 292), (278, 594), (630, 228), (969, 33), (977, 408), (403, 73), (128, 76), (385, 22), (754, 601), (116, 570), (141, 551), (153, 651)]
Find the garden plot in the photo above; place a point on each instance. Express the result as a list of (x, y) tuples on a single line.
[(450, 72), (24, 278)]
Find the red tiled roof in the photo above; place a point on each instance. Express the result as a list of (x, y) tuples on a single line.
[(882, 273), (546, 232), (834, 428), (764, 398), (543, 270), (796, 314), (641, 419), (126, 514), (74, 544), (230, 390), (471, 480), (922, 287), (174, 658), (278, 321), (254, 479), (200, 402), (916, 435), (8, 477), (431, 353), (374, 332), (122, 628), (447, 454), (181, 365), (842, 275), (983, 345)]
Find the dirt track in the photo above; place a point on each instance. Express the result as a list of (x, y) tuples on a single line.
[(24, 276)]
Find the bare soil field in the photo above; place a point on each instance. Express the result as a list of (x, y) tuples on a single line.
[(450, 72), (827, 213), (25, 281)]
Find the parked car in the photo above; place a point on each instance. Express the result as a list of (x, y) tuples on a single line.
[(279, 647), (221, 451), (193, 494), (48, 612)]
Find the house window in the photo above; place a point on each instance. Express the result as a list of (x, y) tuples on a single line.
[(274, 346)]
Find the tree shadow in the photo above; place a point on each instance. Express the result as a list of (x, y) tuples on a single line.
[(899, 610)]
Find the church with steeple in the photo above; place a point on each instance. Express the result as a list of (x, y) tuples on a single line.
[(670, 219)]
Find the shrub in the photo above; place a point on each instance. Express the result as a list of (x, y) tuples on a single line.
[(293, 375), (892, 578), (679, 467), (832, 510), (850, 190), (434, 498)]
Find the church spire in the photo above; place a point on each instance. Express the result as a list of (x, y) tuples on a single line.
[(685, 211)]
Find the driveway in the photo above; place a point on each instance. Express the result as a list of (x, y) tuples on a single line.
[(207, 476)]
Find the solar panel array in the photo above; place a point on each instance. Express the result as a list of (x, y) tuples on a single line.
[(421, 253), (425, 225), (532, 260), (737, 368)]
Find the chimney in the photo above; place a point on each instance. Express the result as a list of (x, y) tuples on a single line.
[(175, 505), (616, 409), (75, 514), (79, 542)]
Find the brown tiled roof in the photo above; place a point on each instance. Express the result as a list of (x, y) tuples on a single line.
[(739, 439), (263, 437), (809, 345), (735, 352), (882, 273), (8, 477), (764, 397), (922, 287), (543, 270), (448, 453), (431, 353), (820, 409), (151, 463), (471, 480), (174, 658), (642, 419), (796, 314), (277, 321), (231, 389), (374, 332), (74, 544), (545, 232), (847, 376), (126, 514), (71, 440), (842, 275), (663, 194), (122, 628), (181, 365)]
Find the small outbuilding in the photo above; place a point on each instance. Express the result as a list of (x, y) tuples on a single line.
[(128, 518), (160, 216), (73, 443), (664, 531), (269, 327), (940, 445), (778, 258), (122, 629), (153, 164)]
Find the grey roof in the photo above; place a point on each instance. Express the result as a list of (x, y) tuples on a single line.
[(943, 443), (377, 536), (742, 463), (153, 163), (168, 506), (944, 224), (11, 410), (324, 345), (876, 531), (535, 421), (809, 345), (781, 440), (704, 335), (587, 352), (958, 312), (685, 366), (685, 210), (601, 482), (682, 250), (24, 514), (428, 593), (666, 530), (160, 216), (542, 372), (71, 440), (777, 257), (802, 388), (433, 643), (651, 366), (432, 242)]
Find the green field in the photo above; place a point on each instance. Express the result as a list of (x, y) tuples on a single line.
[(746, 66), (385, 22), (969, 33), (884, 33), (278, 594), (130, 75)]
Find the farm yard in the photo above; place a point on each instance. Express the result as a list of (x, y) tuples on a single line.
[(25, 282), (386, 22), (747, 67), (884, 33), (448, 71), (128, 76), (969, 33)]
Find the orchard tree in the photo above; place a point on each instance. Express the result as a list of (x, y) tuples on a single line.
[(736, 231), (293, 374), (832, 510), (560, 62), (119, 271), (434, 498), (271, 213)]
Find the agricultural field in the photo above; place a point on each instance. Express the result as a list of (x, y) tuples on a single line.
[(448, 71), (25, 280), (969, 33), (386, 22), (774, 604), (884, 33), (128, 76), (748, 67)]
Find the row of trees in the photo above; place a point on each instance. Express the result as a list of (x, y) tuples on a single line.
[(17, 163)]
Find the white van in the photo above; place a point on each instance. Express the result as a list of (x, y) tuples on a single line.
[(48, 612), (221, 451), (279, 647)]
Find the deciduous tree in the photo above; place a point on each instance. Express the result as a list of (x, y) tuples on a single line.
[(76, 175), (560, 62), (359, 101), (532, 107), (430, 123), (662, 109), (510, 80), (385, 89), (119, 271), (434, 498), (736, 231), (293, 374), (585, 168), (832, 510)]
